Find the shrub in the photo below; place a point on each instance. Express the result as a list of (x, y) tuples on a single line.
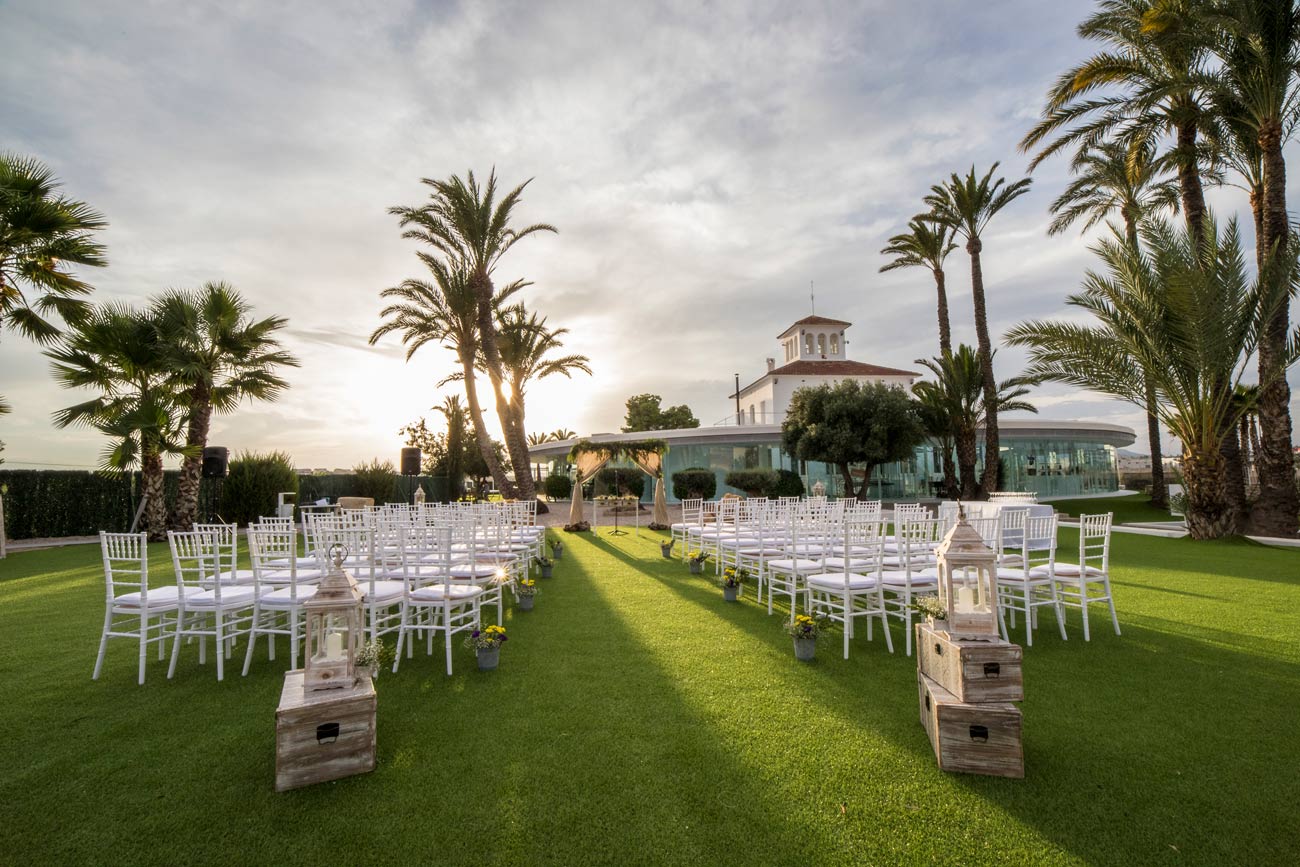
[(254, 480), (630, 481), (694, 482), (786, 484), (755, 483), (557, 486), (377, 479)]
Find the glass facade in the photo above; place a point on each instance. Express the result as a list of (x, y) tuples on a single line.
[(1049, 466)]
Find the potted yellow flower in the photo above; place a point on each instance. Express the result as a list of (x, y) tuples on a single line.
[(487, 643), (732, 581), (804, 629), (527, 592)]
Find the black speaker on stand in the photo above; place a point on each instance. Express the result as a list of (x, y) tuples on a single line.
[(216, 464), (410, 467)]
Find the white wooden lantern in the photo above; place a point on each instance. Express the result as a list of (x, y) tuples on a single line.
[(968, 587), (420, 495), (334, 629)]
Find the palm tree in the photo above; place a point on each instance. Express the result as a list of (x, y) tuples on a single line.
[(1149, 84), (1259, 46), (958, 394), (925, 245), (1187, 315), (219, 356), (937, 419), (117, 351), (1120, 177), (526, 346), (966, 205), (41, 233), (471, 229), (562, 434), (454, 413), (445, 311)]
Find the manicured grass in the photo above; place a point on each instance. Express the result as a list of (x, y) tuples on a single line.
[(1135, 509), (637, 718)]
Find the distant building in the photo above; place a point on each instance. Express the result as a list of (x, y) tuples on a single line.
[(815, 352), (1052, 458)]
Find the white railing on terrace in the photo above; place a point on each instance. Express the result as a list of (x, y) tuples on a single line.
[(747, 418)]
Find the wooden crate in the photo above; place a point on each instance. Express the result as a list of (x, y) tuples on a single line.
[(974, 671), (971, 738), (324, 734)]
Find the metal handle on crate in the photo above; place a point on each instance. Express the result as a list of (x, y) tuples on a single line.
[(979, 733), (938, 649), (992, 670)]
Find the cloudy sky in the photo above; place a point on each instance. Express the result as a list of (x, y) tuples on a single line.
[(703, 162)]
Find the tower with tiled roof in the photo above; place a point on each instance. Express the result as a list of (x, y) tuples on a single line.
[(814, 351)]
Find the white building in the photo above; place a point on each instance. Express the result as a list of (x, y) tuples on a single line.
[(815, 352)]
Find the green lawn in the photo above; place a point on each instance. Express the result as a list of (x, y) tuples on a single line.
[(637, 718), (1134, 509)]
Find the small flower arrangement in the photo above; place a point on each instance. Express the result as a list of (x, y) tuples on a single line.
[(931, 607), (806, 626), (526, 587), (544, 562), (487, 638), (732, 578), (373, 655), (698, 558)]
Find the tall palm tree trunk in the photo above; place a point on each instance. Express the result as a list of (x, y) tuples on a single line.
[(480, 426), (946, 466), (1159, 488), (1189, 182), (945, 327), (517, 403), (992, 450), (1234, 480), (967, 455), (516, 444), (1279, 504), (186, 510), (155, 505), (1208, 515)]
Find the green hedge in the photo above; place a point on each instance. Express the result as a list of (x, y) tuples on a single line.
[(694, 482), (557, 486), (42, 504)]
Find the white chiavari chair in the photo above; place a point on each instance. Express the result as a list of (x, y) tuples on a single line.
[(911, 569), (441, 603), (1024, 589), (208, 606), (850, 588), (132, 608), (280, 589), (1075, 583)]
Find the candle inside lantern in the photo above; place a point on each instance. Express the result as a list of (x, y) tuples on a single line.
[(334, 645), (965, 598)]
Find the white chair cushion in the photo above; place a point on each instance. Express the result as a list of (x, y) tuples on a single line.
[(790, 565), (383, 591), (1017, 576), (473, 570), (899, 579), (1068, 570), (835, 581), (160, 598), (283, 598), (441, 592), (232, 596), (853, 563)]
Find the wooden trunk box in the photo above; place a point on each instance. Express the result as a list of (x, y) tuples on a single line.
[(323, 735), (973, 671), (971, 738)]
